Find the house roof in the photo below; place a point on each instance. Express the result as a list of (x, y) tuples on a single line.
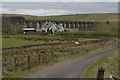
[(28, 29)]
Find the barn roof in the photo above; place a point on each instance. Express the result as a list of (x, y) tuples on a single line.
[(28, 29)]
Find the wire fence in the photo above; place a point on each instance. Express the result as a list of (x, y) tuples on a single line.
[(24, 59)]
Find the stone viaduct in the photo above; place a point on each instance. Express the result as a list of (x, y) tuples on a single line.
[(66, 24)]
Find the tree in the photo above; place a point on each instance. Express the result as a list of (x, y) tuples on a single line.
[(9, 27), (19, 28), (16, 29), (6, 24)]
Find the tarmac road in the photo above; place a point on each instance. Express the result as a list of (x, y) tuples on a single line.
[(72, 68)]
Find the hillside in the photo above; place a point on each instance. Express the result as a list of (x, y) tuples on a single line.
[(106, 28), (100, 17), (103, 17), (102, 27)]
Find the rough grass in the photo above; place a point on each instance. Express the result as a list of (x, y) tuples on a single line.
[(17, 40), (108, 62), (104, 27), (100, 17), (20, 36), (21, 74), (52, 52), (100, 29)]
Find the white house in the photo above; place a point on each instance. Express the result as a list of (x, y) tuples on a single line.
[(52, 26)]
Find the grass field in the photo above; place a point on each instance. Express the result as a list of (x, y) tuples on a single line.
[(112, 27), (108, 62), (100, 17), (20, 36), (51, 53), (17, 40)]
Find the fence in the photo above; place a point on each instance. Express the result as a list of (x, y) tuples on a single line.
[(100, 74), (27, 58)]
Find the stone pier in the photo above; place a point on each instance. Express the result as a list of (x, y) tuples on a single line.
[(66, 24)]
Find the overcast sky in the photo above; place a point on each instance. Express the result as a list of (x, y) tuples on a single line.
[(58, 8), (59, 0)]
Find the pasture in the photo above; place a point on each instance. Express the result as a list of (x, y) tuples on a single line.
[(108, 28), (23, 40), (100, 17), (27, 58)]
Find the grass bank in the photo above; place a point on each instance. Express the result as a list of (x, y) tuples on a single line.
[(103, 27), (109, 62)]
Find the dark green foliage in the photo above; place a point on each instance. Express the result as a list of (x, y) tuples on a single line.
[(17, 18), (8, 27), (16, 29)]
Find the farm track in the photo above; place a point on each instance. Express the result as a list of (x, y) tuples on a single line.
[(29, 46), (72, 68)]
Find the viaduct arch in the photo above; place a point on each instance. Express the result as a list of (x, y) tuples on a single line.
[(66, 24)]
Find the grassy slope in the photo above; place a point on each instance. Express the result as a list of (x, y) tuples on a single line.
[(112, 27), (100, 17), (108, 62)]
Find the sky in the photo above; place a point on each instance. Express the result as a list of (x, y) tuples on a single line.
[(38, 8), (59, 0)]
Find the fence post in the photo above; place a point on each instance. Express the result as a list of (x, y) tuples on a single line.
[(28, 62), (72, 52), (39, 59), (52, 55), (46, 58), (55, 56), (64, 54), (3, 68), (22, 62), (100, 75), (15, 62)]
